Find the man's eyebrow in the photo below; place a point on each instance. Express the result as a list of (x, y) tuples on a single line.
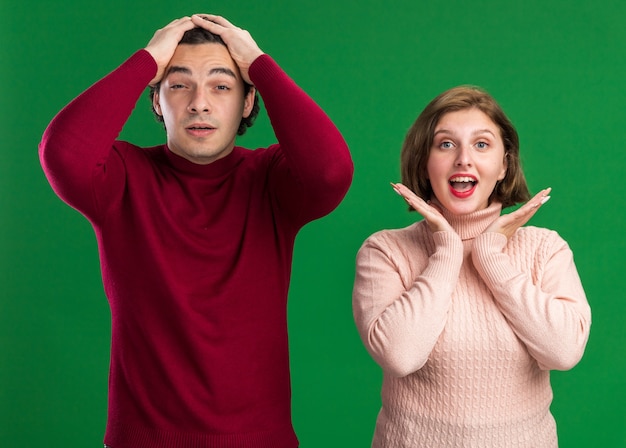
[(214, 71), (177, 69), (222, 71)]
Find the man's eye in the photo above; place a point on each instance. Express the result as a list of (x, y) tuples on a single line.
[(222, 88), (177, 86)]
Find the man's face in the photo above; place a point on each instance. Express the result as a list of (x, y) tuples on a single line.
[(201, 99)]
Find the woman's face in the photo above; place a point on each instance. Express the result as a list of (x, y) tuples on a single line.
[(466, 160)]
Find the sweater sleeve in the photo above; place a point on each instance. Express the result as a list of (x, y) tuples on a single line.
[(315, 169), (546, 307), (77, 149), (400, 314)]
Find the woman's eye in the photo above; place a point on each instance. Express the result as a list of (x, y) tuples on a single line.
[(482, 145), (445, 145)]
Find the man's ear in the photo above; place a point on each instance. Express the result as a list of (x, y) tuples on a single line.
[(155, 101), (248, 102)]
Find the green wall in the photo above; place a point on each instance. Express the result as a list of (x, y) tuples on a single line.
[(557, 67)]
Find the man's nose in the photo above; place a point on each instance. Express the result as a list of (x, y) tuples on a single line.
[(199, 102)]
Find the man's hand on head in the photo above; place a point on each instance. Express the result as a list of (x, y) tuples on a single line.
[(164, 43), (242, 47)]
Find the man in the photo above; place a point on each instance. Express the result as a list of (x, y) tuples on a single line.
[(196, 236)]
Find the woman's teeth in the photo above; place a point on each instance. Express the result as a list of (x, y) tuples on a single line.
[(462, 183)]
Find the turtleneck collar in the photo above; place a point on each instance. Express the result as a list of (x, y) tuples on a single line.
[(472, 224), (213, 169)]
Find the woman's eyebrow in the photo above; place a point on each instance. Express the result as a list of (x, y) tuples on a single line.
[(476, 132), (483, 131)]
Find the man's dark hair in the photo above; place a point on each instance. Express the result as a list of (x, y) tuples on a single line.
[(196, 36)]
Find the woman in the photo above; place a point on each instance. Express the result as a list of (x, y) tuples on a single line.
[(467, 311)]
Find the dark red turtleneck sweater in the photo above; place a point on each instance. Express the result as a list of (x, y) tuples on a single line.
[(196, 259)]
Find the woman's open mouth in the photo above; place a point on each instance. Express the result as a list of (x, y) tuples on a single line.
[(462, 186)]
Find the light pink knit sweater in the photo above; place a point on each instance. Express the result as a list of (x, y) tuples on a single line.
[(466, 327)]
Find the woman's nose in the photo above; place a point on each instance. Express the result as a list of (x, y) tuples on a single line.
[(463, 157)]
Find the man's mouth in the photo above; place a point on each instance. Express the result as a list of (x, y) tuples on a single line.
[(462, 186), (200, 130)]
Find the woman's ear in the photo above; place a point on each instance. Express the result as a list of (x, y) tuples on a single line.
[(505, 166)]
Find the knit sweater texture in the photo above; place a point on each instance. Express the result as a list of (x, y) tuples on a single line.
[(466, 326), (196, 259)]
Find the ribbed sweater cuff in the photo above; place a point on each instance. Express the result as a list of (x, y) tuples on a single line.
[(264, 68), (144, 63), (448, 257), (488, 257)]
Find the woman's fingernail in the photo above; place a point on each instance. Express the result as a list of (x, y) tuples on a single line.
[(545, 199)]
